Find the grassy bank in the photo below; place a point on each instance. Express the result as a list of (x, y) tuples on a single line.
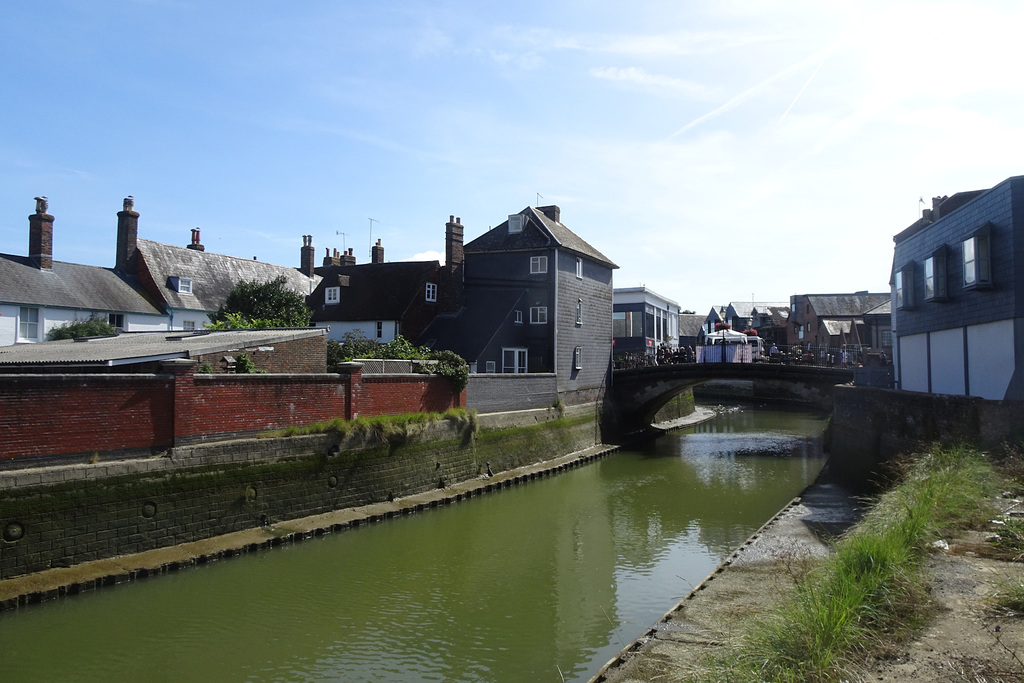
[(870, 594)]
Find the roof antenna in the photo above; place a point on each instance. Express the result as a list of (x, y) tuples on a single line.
[(539, 197), (343, 245), (372, 221)]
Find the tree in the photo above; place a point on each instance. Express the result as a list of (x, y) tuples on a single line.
[(254, 304), (93, 327)]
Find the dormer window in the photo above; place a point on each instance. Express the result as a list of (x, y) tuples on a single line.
[(904, 286), (515, 224), (431, 292), (332, 295), (181, 285), (935, 276)]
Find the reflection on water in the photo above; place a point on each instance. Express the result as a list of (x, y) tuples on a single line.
[(538, 582)]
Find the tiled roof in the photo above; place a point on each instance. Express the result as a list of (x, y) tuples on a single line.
[(71, 286), (213, 275), (539, 232), (135, 347), (374, 291), (468, 331), (832, 305)]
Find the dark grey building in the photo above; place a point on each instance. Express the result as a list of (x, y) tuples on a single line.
[(958, 295), (537, 299)]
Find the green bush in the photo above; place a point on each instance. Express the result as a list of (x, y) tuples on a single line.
[(93, 327)]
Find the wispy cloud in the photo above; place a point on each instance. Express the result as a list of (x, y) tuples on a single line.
[(640, 77)]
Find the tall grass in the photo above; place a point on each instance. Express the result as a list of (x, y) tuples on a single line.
[(869, 593)]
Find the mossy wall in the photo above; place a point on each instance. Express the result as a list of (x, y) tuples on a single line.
[(680, 406), (219, 488)]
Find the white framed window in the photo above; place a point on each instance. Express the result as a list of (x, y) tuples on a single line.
[(28, 324), (188, 325), (577, 358), (935, 276), (491, 366), (976, 251), (538, 264), (513, 360), (332, 295), (904, 286), (380, 329), (431, 291), (181, 285), (538, 315), (579, 267), (579, 311), (519, 317)]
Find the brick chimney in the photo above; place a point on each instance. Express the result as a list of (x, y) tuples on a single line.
[(331, 260), (453, 239), (195, 245), (127, 237), (40, 235), (377, 253), (348, 258), (552, 212), (452, 272), (307, 256)]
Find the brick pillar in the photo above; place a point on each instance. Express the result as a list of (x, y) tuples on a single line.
[(353, 400), (183, 370)]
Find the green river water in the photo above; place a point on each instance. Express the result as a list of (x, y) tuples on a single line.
[(541, 582)]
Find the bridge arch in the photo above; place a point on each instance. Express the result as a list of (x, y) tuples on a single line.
[(638, 394)]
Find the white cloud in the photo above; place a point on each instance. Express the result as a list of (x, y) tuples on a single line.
[(640, 77)]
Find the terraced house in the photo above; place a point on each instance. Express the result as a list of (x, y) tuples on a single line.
[(958, 295)]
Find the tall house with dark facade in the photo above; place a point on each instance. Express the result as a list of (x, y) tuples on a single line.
[(958, 295), (537, 299)]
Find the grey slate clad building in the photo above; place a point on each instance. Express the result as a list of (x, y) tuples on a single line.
[(958, 295), (540, 298)]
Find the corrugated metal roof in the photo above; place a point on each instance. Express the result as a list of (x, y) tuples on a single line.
[(213, 275), (129, 347), (71, 286)]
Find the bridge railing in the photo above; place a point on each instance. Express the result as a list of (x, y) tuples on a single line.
[(820, 356)]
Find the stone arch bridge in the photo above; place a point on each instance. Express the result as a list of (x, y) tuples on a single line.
[(637, 394)]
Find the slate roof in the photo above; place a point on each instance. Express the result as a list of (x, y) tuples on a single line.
[(744, 309), (881, 309), (375, 291), (71, 286), (690, 324), (539, 232), (138, 347), (779, 313), (213, 275), (837, 327), (469, 330), (845, 305)]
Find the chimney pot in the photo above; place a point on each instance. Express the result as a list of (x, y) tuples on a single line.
[(40, 235)]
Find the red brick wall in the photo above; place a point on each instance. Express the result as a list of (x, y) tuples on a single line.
[(53, 415), (59, 414), (307, 355)]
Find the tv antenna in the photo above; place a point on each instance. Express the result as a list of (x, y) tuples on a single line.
[(539, 197), (372, 221), (339, 232)]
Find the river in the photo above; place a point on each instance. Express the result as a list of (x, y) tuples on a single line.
[(541, 582)]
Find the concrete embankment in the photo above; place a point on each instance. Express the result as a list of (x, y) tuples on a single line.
[(754, 577)]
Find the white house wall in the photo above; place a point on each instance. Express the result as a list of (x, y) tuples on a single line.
[(947, 361), (50, 318), (990, 358), (914, 362), (368, 328)]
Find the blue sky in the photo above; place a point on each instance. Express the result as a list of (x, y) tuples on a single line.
[(716, 151)]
